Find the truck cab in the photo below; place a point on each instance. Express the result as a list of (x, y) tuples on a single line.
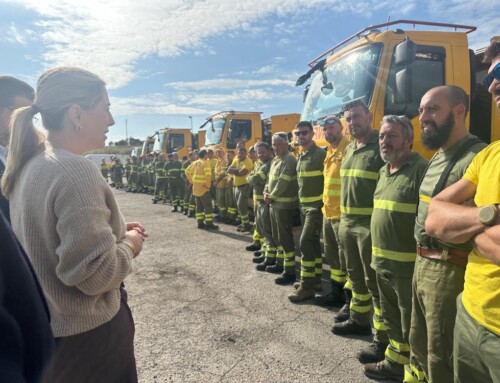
[(227, 129), (170, 140)]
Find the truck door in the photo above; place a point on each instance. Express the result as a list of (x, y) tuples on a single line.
[(240, 130)]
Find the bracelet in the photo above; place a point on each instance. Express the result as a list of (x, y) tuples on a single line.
[(131, 246)]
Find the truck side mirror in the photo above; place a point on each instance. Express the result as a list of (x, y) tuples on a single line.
[(403, 86), (405, 52)]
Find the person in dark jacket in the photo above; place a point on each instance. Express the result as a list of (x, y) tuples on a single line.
[(26, 341)]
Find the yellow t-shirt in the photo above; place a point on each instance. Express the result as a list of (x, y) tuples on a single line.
[(246, 164), (481, 297)]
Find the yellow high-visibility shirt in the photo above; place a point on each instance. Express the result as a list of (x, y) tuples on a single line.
[(331, 172), (199, 175)]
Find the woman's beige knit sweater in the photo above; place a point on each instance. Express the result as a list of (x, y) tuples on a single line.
[(68, 221)]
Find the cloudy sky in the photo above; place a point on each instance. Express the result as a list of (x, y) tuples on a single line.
[(165, 60)]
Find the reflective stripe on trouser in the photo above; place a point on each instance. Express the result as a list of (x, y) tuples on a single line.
[(132, 181), (256, 236), (357, 246), (333, 254), (192, 203), (204, 205), (476, 349), (161, 187), (230, 202), (263, 224), (282, 226), (241, 194), (310, 247), (414, 374), (221, 201), (176, 190), (436, 285), (395, 302)]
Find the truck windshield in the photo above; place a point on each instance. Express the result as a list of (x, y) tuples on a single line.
[(159, 140), (214, 131), (348, 78)]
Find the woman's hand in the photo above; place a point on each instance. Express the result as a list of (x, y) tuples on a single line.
[(138, 227), (135, 240)]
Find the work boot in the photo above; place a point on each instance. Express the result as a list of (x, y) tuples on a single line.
[(258, 253), (374, 353), (349, 327), (258, 259), (285, 279), (246, 228), (275, 269), (335, 298), (155, 201), (191, 214), (301, 294), (253, 247), (201, 225), (211, 226), (174, 210), (236, 223), (384, 371), (186, 212), (345, 312), (264, 265)]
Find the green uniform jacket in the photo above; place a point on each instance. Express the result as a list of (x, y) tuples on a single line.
[(183, 169), (167, 168), (310, 177), (159, 169), (175, 171), (437, 164), (258, 178), (358, 179), (282, 184), (394, 206)]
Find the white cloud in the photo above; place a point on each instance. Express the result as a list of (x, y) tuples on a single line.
[(153, 104), (13, 35)]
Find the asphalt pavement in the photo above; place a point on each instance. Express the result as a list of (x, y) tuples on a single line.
[(204, 314)]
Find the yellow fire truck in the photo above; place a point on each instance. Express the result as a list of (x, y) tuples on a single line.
[(390, 70)]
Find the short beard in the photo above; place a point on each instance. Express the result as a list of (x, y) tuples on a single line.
[(438, 135), (394, 156)]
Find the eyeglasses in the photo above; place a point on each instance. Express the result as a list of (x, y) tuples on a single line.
[(331, 121), (494, 75), (301, 133)]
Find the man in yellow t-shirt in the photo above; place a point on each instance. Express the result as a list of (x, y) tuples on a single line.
[(476, 347)]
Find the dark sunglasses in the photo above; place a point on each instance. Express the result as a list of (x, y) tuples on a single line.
[(494, 75), (301, 133)]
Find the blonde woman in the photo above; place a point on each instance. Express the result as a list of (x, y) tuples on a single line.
[(67, 219)]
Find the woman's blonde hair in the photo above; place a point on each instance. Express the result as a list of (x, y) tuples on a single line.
[(57, 90)]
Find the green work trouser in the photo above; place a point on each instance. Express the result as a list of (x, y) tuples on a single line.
[(476, 350), (395, 302), (436, 285), (231, 203), (333, 253), (282, 226), (356, 244), (310, 247), (176, 190), (188, 197), (221, 201), (263, 223), (204, 208), (132, 181), (161, 187), (241, 195)]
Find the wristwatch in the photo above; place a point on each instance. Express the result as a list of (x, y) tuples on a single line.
[(487, 215)]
